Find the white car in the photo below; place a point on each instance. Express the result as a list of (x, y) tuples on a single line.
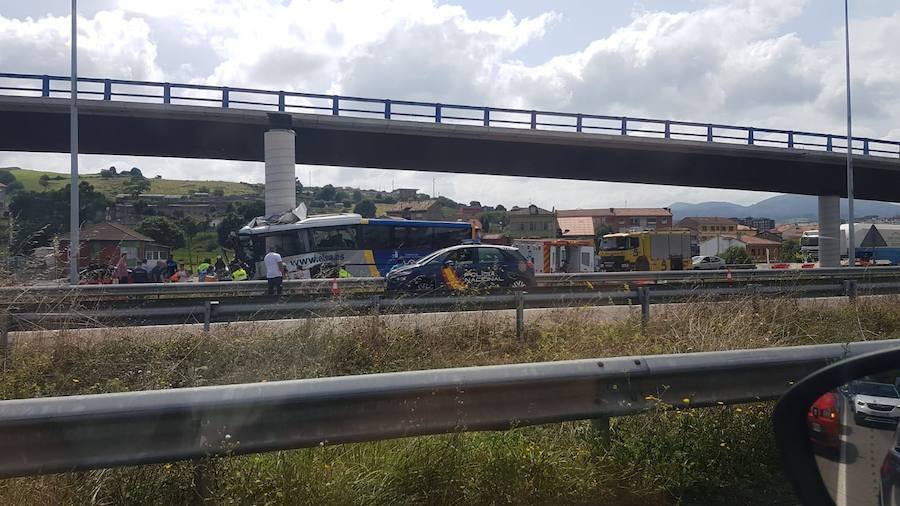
[(707, 262), (874, 403)]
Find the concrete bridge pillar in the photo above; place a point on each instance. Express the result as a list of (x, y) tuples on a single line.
[(829, 231), (281, 195)]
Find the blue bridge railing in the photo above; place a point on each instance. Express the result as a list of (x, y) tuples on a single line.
[(336, 105)]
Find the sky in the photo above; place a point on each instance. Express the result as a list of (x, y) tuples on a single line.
[(764, 63)]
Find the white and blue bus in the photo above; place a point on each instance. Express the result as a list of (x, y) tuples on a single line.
[(365, 247)]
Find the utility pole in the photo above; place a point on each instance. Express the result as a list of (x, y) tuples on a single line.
[(74, 222), (433, 194), (851, 244)]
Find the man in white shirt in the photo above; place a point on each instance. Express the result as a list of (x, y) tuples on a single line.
[(275, 271)]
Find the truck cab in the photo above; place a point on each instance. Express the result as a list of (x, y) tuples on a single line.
[(646, 251)]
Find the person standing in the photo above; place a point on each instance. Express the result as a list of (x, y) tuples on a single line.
[(274, 271), (122, 269), (171, 266), (140, 274), (157, 272)]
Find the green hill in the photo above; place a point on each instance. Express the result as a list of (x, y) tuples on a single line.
[(110, 186)]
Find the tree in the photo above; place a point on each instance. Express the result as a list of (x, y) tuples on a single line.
[(162, 230), (135, 186), (366, 209), (326, 193), (6, 177), (230, 224), (41, 215), (44, 180), (136, 173), (500, 207), (736, 255), (15, 186), (110, 172), (357, 196), (493, 221), (790, 251), (190, 226), (251, 209), (218, 192)]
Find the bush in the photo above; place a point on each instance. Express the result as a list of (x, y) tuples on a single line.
[(737, 255), (162, 230), (366, 209)]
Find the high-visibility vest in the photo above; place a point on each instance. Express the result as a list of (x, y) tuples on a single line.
[(239, 274)]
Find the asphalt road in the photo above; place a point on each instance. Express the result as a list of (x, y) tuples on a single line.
[(852, 476)]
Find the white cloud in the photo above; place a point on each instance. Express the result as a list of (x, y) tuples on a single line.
[(723, 61)]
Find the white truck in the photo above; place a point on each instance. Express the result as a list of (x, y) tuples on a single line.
[(557, 255)]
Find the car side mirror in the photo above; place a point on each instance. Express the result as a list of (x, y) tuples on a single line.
[(837, 432)]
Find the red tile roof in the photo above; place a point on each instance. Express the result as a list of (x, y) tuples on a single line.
[(111, 232), (576, 226)]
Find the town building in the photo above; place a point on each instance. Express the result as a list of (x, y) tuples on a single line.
[(706, 227), (531, 222), (405, 194), (130, 209), (762, 250), (793, 231), (416, 210), (624, 219), (103, 243), (759, 224)]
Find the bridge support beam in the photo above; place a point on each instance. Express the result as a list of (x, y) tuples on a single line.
[(829, 231), (281, 195)]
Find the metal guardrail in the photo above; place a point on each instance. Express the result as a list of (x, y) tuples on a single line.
[(81, 432), (336, 105), (372, 285), (171, 311)]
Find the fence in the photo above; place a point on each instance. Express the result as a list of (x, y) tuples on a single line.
[(349, 106), (60, 434)]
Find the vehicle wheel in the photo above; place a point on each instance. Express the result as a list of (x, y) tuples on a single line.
[(518, 283), (642, 264), (421, 285)]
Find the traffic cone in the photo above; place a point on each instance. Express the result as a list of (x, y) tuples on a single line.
[(335, 289), (728, 276)]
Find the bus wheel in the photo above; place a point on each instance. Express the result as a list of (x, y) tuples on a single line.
[(642, 264)]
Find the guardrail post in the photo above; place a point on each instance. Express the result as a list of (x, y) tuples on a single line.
[(280, 101), (667, 129), (709, 133), (335, 106), (107, 89), (790, 139), (829, 143), (45, 86), (865, 146), (601, 428), (387, 109), (167, 93), (520, 315), (624, 126), (750, 136), (4, 339), (437, 113), (201, 469), (579, 122), (534, 120), (208, 307), (850, 289), (225, 98), (644, 299), (487, 116)]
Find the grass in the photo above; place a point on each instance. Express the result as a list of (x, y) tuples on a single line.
[(112, 186), (203, 245), (721, 455)]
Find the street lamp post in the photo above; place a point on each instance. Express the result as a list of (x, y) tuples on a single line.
[(851, 244), (74, 246)]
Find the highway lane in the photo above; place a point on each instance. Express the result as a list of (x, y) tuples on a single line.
[(852, 475)]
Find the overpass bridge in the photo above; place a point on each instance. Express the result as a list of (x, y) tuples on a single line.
[(282, 128)]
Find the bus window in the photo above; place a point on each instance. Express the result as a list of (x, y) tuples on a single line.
[(334, 238), (444, 237), (412, 237), (375, 237), (288, 243)]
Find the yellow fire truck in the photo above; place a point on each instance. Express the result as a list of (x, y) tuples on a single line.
[(659, 250)]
